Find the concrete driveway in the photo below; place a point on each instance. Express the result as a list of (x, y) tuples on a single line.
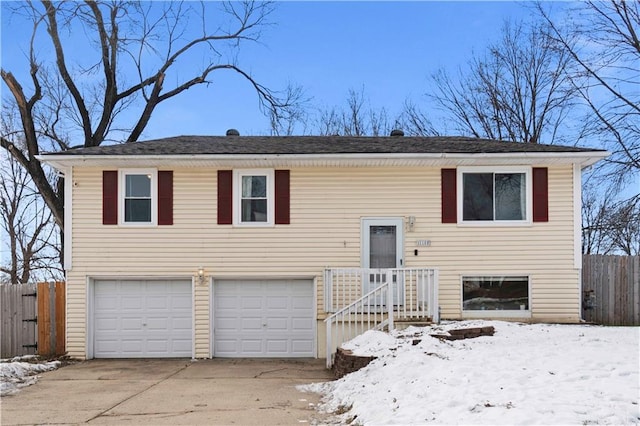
[(211, 392)]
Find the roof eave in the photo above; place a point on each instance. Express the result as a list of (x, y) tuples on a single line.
[(583, 158)]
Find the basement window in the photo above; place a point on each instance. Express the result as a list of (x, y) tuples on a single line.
[(508, 294)]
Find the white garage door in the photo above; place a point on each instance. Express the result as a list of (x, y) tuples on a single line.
[(142, 319), (265, 318)]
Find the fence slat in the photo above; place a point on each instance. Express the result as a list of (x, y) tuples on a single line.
[(44, 319), (60, 317), (18, 336), (615, 283)]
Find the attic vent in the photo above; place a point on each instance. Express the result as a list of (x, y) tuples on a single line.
[(397, 132), (233, 132)]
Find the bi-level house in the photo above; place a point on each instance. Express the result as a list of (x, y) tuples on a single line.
[(233, 246)]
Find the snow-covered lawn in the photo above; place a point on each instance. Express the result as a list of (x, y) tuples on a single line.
[(524, 374), (22, 371)]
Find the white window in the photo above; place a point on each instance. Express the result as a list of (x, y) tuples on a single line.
[(496, 296), (490, 195), (254, 197), (138, 204)]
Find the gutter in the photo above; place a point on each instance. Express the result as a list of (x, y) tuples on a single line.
[(584, 159)]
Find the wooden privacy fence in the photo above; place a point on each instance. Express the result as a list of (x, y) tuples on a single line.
[(611, 289), (33, 319)]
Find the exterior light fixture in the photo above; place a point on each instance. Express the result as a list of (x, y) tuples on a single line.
[(200, 275)]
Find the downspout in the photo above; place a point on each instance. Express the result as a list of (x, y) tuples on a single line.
[(577, 230)]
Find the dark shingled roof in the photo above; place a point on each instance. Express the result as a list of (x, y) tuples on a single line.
[(275, 145)]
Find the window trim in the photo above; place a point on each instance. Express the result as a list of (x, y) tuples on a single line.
[(524, 313), (238, 174), (527, 170), (122, 173)]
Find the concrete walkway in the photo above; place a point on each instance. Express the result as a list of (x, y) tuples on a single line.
[(158, 392)]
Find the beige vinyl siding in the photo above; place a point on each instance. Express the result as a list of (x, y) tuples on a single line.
[(327, 205), (201, 316)]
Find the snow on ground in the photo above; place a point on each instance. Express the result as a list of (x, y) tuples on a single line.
[(22, 371), (524, 374)]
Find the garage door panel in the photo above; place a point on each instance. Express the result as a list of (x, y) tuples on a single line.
[(251, 302), (131, 302), (301, 302), (278, 324), (302, 324), (131, 287), (157, 346), (182, 346), (277, 346), (181, 302), (302, 345), (250, 325), (157, 302), (263, 318), (251, 347), (130, 347), (227, 324), (131, 324), (279, 303), (142, 319), (181, 324), (160, 324)]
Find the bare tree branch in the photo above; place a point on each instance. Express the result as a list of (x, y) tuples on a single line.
[(80, 96), (602, 42), (517, 91)]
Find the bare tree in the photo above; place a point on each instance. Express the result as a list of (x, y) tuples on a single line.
[(610, 225), (596, 238), (602, 38), (416, 122), (29, 226), (137, 55), (624, 226), (517, 91), (358, 118)]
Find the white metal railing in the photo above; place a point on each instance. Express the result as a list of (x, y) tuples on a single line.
[(415, 290), (366, 313), (358, 299)]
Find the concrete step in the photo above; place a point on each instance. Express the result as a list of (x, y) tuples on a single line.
[(401, 324)]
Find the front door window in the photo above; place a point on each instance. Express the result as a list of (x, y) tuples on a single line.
[(381, 251), (383, 246)]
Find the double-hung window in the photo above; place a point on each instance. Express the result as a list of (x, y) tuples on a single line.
[(138, 192), (494, 195), (254, 198)]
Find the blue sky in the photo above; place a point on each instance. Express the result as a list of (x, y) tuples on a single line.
[(388, 49)]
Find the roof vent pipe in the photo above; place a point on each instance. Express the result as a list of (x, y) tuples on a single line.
[(233, 132), (397, 133)]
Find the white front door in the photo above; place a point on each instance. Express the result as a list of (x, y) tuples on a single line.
[(382, 248)]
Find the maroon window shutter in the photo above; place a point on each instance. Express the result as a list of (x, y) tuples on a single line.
[(282, 190), (109, 197), (540, 194), (225, 197), (449, 209), (165, 197)]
